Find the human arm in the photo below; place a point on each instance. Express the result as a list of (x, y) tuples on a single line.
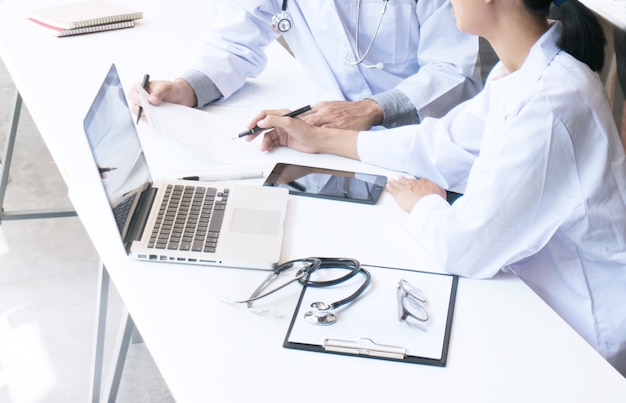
[(442, 150), (233, 51), (447, 60), (299, 135), (442, 59), (521, 189), (391, 106)]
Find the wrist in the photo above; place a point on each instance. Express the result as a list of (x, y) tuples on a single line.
[(373, 110), (337, 141), (185, 95)]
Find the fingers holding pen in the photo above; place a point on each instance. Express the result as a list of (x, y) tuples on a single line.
[(177, 92), (254, 130), (278, 130), (288, 132)]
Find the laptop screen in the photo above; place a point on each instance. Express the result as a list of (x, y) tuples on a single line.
[(116, 149)]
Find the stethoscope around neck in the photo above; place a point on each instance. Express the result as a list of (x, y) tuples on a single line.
[(282, 23)]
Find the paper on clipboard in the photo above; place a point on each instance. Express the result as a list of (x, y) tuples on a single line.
[(369, 327)]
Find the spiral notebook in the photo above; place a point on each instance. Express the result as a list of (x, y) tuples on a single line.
[(61, 32), (84, 14)]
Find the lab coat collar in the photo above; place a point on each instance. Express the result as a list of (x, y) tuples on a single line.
[(540, 55)]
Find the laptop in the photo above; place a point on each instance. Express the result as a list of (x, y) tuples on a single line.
[(178, 221)]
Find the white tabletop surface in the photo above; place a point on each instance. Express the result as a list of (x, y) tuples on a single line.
[(506, 344), (613, 11)]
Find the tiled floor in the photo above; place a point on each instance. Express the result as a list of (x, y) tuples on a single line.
[(48, 283)]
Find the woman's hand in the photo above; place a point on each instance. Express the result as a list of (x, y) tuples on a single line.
[(408, 191), (301, 136)]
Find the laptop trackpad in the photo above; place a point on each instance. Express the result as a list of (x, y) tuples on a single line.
[(252, 221)]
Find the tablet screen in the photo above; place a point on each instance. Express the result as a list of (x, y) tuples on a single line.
[(327, 183)]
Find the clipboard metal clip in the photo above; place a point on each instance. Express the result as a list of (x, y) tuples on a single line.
[(365, 346)]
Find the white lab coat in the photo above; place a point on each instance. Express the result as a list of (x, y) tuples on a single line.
[(546, 197), (424, 55)]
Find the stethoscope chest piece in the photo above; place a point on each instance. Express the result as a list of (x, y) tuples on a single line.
[(320, 315), (281, 23)]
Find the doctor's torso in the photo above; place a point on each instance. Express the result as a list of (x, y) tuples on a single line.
[(401, 35)]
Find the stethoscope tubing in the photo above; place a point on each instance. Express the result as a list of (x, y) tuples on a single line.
[(354, 268), (303, 276)]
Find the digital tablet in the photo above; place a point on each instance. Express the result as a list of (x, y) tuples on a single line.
[(325, 183)]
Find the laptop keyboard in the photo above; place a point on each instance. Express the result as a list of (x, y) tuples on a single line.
[(190, 219), (122, 210)]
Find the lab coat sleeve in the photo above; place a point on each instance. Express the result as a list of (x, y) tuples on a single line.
[(397, 108), (235, 48), (441, 150), (448, 60), (520, 191)]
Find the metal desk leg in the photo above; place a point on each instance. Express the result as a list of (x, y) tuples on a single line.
[(6, 166), (98, 350), (9, 145), (120, 353), (121, 348)]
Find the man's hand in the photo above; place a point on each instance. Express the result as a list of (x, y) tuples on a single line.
[(176, 92), (359, 115)]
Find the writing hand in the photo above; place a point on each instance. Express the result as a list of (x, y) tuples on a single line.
[(177, 92)]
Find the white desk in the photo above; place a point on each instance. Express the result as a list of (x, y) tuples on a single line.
[(506, 344), (613, 11)]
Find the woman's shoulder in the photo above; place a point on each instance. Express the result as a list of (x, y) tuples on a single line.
[(565, 76)]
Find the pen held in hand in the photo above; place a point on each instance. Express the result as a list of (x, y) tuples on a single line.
[(107, 169), (144, 85), (291, 114)]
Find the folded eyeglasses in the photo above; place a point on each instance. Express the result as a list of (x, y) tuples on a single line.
[(411, 305)]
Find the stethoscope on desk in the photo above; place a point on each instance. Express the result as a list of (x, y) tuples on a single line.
[(321, 313), (282, 23)]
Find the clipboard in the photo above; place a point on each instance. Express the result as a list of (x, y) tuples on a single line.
[(369, 327)]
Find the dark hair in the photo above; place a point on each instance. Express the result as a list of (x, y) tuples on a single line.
[(581, 33)]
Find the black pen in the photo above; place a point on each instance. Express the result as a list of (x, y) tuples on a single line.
[(291, 114), (103, 170), (144, 85)]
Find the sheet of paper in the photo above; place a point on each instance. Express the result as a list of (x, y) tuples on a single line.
[(374, 315), (212, 132), (189, 126)]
